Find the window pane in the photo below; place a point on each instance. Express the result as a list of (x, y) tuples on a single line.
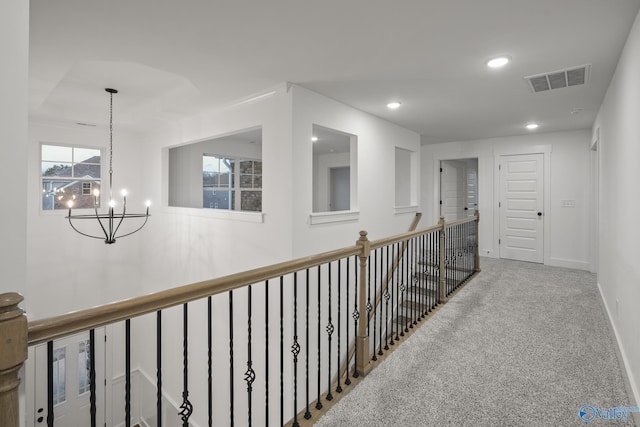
[(59, 376), (217, 199), (246, 181), (54, 153), (57, 193), (84, 365), (257, 181), (56, 169), (246, 166), (82, 170), (257, 168), (86, 155), (251, 201)]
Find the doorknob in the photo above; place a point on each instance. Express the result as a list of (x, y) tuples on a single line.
[(539, 213)]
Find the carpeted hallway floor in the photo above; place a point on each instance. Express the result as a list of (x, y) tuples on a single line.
[(520, 345)]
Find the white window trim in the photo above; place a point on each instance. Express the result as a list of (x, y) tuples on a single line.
[(334, 216)]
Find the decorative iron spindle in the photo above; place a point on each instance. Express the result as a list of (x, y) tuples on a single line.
[(401, 287), (319, 335), (266, 353), (355, 315), (375, 293), (347, 380), (382, 284), (231, 382), (386, 308), (92, 377), (412, 281), (295, 349), (50, 414), (394, 295), (329, 330), (186, 408), (127, 369), (281, 350), (250, 374), (339, 387), (209, 361), (307, 413), (159, 367)]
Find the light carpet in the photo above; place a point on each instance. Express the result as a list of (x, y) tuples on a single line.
[(520, 345)]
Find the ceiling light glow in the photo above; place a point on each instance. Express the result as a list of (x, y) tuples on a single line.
[(532, 126), (394, 105), (498, 62), (314, 138)]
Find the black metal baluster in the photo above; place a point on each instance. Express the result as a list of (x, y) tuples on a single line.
[(295, 349), (266, 353), (231, 388), (319, 335), (394, 296), (382, 285), (355, 315), (329, 330), (50, 415), (127, 383), (92, 377), (386, 306), (412, 281), (250, 374), (375, 297), (159, 367), (401, 288), (406, 285), (186, 409), (369, 306), (339, 387), (281, 351), (307, 413), (209, 362), (347, 380), (424, 277)]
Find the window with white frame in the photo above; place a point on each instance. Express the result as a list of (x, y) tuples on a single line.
[(231, 183), (69, 173)]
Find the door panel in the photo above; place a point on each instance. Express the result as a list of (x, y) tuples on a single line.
[(452, 189), (521, 201), (71, 383)]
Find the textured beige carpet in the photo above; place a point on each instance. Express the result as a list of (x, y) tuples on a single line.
[(520, 345)]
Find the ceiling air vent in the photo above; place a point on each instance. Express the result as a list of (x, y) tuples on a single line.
[(558, 79)]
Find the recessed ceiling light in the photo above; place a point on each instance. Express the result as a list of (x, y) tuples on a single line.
[(532, 126), (498, 62), (314, 138), (394, 105)]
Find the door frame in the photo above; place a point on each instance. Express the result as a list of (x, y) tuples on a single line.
[(545, 150), (437, 159)]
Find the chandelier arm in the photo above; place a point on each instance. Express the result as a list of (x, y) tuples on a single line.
[(137, 229), (95, 208), (80, 232), (124, 214)]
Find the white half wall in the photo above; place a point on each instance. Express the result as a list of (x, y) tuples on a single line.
[(619, 233), (567, 176)]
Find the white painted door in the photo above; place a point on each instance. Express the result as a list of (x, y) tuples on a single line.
[(453, 189), (521, 207), (71, 381)]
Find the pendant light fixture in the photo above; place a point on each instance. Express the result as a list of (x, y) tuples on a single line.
[(111, 221)]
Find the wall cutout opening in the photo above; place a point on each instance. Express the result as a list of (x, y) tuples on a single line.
[(334, 170), (406, 193), (458, 188), (221, 173)]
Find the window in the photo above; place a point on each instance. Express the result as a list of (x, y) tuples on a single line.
[(222, 173), (227, 186), (69, 173), (59, 376), (334, 170), (84, 367)]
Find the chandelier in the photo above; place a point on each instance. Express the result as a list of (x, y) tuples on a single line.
[(111, 221)]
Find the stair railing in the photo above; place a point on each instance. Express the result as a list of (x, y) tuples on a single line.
[(319, 306)]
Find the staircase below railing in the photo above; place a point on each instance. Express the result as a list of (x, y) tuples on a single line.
[(274, 345)]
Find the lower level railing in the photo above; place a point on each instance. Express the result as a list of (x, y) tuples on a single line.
[(269, 346)]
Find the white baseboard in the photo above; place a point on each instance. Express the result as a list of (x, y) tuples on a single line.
[(569, 263), (635, 387)]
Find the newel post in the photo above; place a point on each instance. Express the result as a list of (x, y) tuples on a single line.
[(363, 358), (442, 289), (477, 246), (13, 353)]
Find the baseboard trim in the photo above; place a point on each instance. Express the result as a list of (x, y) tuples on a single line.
[(569, 263), (631, 384)]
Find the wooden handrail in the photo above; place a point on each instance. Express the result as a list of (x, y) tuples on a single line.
[(67, 324), (462, 221)]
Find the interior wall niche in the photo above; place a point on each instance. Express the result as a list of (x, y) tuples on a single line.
[(406, 193), (220, 173), (334, 170)]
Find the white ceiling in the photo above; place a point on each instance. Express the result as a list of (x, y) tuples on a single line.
[(171, 59)]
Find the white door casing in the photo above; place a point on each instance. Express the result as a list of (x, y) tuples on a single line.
[(521, 207), (71, 385)]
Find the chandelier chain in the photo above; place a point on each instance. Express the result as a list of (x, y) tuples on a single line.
[(110, 145)]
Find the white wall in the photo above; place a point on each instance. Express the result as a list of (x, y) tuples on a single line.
[(566, 229), (375, 174), (619, 233), (14, 48)]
